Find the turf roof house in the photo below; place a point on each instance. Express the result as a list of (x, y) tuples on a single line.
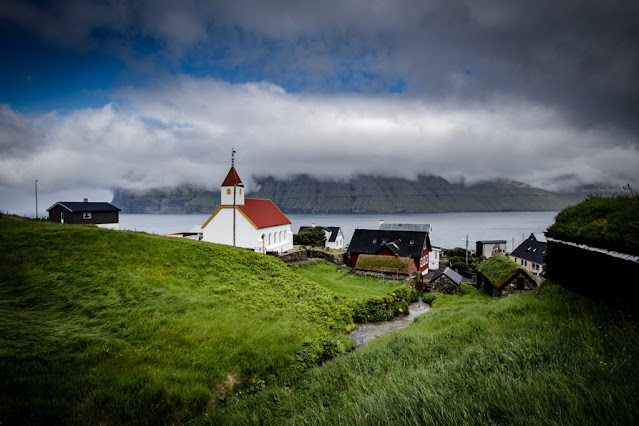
[(259, 224), (501, 276), (530, 255), (334, 236), (102, 214), (414, 245)]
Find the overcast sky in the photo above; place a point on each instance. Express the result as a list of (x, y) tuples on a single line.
[(99, 95)]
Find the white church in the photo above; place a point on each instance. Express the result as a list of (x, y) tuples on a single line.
[(259, 224)]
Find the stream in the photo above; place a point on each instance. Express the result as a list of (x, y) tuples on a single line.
[(364, 333)]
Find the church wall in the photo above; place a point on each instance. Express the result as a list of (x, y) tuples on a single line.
[(220, 230)]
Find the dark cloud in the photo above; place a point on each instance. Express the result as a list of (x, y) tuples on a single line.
[(486, 86)]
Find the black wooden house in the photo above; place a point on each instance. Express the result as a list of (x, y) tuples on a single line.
[(74, 212)]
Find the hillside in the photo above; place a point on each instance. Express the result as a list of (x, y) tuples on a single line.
[(360, 194), (606, 222), (110, 327)]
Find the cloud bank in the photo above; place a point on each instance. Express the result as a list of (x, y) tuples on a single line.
[(183, 132)]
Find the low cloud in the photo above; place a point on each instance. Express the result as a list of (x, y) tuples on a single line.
[(183, 130)]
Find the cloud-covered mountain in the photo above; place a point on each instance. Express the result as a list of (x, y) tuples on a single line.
[(360, 194)]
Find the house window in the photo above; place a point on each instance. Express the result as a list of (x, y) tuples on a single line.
[(411, 243), (61, 217), (86, 215), (240, 191), (374, 241), (228, 191), (524, 262)]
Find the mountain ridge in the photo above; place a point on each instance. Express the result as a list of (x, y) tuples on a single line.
[(359, 194)]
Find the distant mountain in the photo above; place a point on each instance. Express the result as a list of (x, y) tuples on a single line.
[(360, 194)]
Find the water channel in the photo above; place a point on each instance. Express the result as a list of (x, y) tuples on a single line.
[(364, 333)]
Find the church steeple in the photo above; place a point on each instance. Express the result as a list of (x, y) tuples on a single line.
[(232, 184)]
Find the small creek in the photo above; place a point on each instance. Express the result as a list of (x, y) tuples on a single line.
[(364, 333)]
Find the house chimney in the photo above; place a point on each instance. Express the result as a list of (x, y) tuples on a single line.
[(86, 200)]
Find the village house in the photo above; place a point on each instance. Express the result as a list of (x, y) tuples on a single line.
[(414, 245), (259, 224), (500, 276), (530, 255), (101, 214), (489, 248), (435, 253), (446, 281), (334, 236)]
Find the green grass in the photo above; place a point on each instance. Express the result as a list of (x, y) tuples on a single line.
[(101, 326), (547, 357), (344, 283), (499, 268), (607, 222)]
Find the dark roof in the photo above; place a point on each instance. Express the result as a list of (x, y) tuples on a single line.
[(492, 242), (334, 230), (403, 243), (450, 274), (422, 227), (531, 250), (79, 206)]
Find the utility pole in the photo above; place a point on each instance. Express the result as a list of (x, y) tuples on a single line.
[(234, 189), (466, 249), (36, 196)]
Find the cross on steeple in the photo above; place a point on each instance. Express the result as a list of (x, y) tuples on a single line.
[(232, 157)]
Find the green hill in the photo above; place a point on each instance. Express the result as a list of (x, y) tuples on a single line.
[(109, 327), (360, 194)]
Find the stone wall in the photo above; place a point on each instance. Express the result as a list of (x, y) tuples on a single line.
[(303, 254), (511, 285)]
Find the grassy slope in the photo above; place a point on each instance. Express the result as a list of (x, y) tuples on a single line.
[(107, 326), (352, 287), (607, 222), (531, 358)]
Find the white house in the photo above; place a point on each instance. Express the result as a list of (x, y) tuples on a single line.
[(259, 224), (334, 236)]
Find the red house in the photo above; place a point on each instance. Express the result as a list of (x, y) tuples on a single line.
[(382, 242)]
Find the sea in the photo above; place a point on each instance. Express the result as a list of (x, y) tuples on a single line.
[(449, 230)]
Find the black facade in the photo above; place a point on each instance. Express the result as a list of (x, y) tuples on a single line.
[(603, 276), (76, 213)]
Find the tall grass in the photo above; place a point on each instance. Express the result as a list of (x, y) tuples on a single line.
[(535, 358), (101, 326)]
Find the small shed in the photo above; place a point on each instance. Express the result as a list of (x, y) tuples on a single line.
[(102, 214), (446, 281), (500, 276)]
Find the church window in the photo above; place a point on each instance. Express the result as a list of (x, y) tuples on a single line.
[(240, 191), (228, 191)]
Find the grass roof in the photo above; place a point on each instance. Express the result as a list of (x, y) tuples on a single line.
[(606, 222), (498, 269), (371, 262)]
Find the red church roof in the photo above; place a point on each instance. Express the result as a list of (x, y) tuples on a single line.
[(232, 178), (263, 213)]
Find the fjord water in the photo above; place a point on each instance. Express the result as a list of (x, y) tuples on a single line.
[(449, 229)]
